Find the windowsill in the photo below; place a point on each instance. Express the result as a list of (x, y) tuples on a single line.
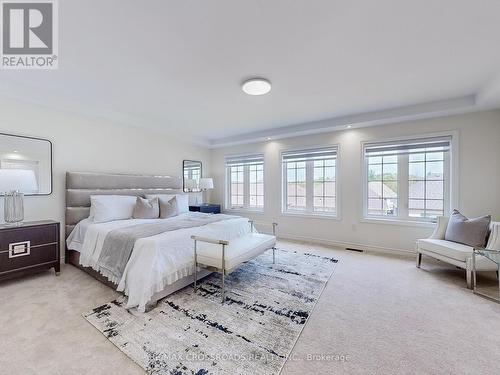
[(244, 211), (406, 223), (310, 215)]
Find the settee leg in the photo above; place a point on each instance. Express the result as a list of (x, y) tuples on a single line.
[(468, 275), (274, 255), (419, 259)]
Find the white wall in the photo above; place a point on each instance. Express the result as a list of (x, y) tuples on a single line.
[(479, 179), (87, 145), (83, 144)]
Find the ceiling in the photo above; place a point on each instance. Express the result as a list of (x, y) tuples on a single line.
[(179, 65)]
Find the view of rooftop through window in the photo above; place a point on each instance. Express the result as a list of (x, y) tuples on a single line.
[(408, 179)]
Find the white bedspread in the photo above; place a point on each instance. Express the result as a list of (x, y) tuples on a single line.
[(156, 261), (75, 238)]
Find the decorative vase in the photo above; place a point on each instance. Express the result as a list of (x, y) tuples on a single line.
[(14, 207)]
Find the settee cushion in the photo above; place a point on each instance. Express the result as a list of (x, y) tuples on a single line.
[(448, 249)]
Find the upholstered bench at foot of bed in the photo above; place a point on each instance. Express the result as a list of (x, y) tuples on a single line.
[(238, 251), (225, 256)]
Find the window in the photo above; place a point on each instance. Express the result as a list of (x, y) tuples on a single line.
[(408, 179), (245, 182), (309, 181)]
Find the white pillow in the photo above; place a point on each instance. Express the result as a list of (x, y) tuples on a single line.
[(106, 208), (182, 200)]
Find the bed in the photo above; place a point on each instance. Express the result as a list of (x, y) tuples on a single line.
[(159, 264)]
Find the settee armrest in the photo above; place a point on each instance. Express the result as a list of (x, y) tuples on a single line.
[(440, 229), (494, 240)]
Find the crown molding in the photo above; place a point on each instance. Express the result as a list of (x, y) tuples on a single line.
[(419, 111)]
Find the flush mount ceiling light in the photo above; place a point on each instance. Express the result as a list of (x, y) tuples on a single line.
[(256, 86)]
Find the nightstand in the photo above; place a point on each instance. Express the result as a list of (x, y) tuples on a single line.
[(207, 208), (28, 248)]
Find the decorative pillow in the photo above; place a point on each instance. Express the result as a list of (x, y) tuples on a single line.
[(106, 208), (472, 232), (182, 200), (146, 208), (168, 207)]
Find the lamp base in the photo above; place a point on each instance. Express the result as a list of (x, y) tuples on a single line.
[(16, 224), (14, 208)]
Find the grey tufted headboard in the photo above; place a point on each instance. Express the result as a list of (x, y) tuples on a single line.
[(81, 185)]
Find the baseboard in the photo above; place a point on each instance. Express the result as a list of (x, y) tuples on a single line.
[(347, 245)]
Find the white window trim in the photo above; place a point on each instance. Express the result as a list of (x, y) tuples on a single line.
[(338, 186), (246, 182), (454, 179)]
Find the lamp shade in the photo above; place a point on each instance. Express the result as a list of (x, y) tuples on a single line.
[(206, 183), (22, 180)]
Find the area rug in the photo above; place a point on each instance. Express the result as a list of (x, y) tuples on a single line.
[(266, 308)]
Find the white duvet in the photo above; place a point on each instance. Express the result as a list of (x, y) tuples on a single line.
[(156, 261)]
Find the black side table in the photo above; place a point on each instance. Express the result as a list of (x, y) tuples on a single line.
[(208, 208)]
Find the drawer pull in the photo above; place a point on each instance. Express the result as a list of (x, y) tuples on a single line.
[(19, 249)]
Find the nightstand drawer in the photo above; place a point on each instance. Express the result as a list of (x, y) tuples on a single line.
[(37, 235), (26, 255)]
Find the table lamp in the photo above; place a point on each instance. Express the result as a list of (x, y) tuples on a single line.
[(13, 184), (206, 183)]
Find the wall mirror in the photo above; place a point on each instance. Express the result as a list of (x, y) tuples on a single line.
[(25, 165), (192, 174)]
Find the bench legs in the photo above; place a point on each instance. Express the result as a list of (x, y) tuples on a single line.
[(223, 272), (222, 269), (223, 287), (274, 247), (195, 266)]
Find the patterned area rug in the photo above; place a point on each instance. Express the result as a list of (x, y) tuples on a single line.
[(254, 332)]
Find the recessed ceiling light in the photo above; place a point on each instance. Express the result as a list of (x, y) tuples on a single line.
[(16, 151), (268, 138), (349, 126), (256, 86)]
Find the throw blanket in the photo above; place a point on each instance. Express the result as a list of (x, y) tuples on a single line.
[(119, 243)]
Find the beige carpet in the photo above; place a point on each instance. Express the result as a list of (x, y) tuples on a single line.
[(380, 313)]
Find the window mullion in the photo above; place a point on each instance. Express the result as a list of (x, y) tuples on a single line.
[(403, 185), (309, 185), (246, 186), (447, 182), (284, 187), (228, 187)]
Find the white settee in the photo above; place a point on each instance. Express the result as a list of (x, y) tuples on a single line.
[(455, 253)]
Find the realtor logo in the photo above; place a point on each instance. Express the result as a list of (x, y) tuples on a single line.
[(29, 34)]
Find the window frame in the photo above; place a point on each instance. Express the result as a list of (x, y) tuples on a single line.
[(452, 185), (246, 185), (310, 213)]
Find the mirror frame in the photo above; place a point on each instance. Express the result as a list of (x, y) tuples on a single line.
[(51, 163), (183, 180)]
